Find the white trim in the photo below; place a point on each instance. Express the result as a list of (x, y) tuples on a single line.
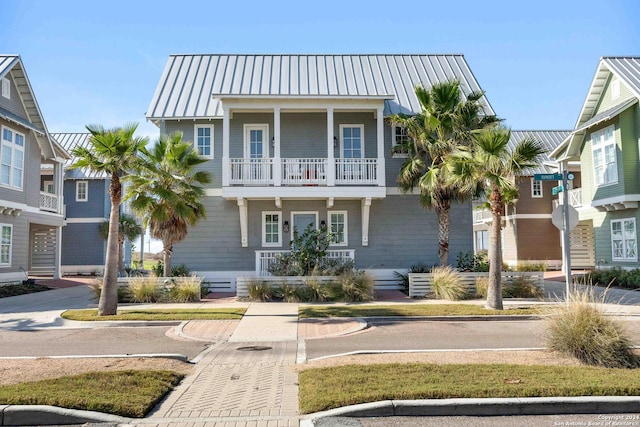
[(12, 144), (266, 142), (365, 212), (46, 183), (213, 192), (304, 193), (359, 126), (601, 147), (624, 240), (10, 244), (294, 213), (394, 143), (533, 194), (278, 244), (627, 198), (345, 234), (6, 88), (86, 191), (211, 139), (86, 220), (244, 222)]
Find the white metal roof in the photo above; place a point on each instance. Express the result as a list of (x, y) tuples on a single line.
[(549, 139), (69, 141), (192, 86)]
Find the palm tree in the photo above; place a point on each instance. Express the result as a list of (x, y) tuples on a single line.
[(493, 167), (446, 122), (113, 152), (128, 228), (166, 191)]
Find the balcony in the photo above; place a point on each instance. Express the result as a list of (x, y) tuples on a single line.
[(265, 258), (48, 202), (575, 198), (303, 172)]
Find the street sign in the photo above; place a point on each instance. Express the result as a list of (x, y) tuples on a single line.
[(570, 176), (557, 217), (556, 190), (547, 176)]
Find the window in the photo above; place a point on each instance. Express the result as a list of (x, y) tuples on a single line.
[(352, 141), (49, 187), (482, 240), (11, 158), (605, 167), (536, 188), (400, 141), (338, 228), (6, 88), (5, 244), (624, 241), (271, 229), (82, 191), (615, 89), (203, 136)]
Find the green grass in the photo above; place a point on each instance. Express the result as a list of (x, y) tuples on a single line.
[(410, 310), (159, 314), (124, 393), (326, 388)]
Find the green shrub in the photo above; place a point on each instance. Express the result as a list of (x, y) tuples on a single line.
[(145, 289), (582, 330), (158, 269), (260, 291), (616, 276), (447, 284), (518, 287), (470, 262), (188, 290), (315, 291), (288, 293), (180, 271), (357, 286), (527, 266)]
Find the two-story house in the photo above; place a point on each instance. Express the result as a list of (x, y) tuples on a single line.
[(31, 208), (528, 233), (606, 141), (293, 140)]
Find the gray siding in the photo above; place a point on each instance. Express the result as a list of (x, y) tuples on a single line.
[(94, 207), (14, 104), (19, 243), (303, 135), (370, 131), (82, 245)]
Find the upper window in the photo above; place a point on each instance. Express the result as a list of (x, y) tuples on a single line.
[(5, 244), (400, 141), (338, 228), (271, 229), (6, 88), (482, 240), (82, 191), (605, 167), (615, 89), (11, 158), (204, 140), (536, 188), (352, 141), (624, 241)]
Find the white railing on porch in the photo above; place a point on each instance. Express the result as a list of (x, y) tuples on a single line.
[(48, 202), (265, 258), (356, 171), (575, 198), (304, 171), (251, 171)]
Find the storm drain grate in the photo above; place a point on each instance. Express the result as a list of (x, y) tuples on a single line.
[(254, 348)]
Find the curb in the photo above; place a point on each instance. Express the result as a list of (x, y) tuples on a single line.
[(21, 415), (176, 356), (484, 407)]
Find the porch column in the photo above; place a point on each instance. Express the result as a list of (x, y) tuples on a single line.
[(58, 185), (58, 261), (331, 163), (242, 208), (277, 168), (366, 208), (380, 169), (226, 166)]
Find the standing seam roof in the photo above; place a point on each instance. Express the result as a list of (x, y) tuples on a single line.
[(191, 86), (549, 139)]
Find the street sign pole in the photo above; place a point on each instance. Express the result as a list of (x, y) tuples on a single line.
[(566, 249)]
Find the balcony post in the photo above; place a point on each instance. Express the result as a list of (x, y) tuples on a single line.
[(380, 168), (226, 165), (277, 167), (242, 209), (58, 185), (331, 162)]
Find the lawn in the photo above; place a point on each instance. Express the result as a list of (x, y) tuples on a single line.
[(21, 289), (411, 310), (125, 393), (327, 388), (159, 314)]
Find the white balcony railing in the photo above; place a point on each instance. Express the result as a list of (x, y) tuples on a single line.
[(251, 171), (575, 198), (304, 172), (356, 171), (48, 202), (265, 258)]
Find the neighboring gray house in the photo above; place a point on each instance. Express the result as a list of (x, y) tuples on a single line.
[(31, 209), (293, 140)]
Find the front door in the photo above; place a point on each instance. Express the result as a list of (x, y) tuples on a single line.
[(302, 220), (256, 150)]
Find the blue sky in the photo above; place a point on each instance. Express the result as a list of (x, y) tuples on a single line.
[(98, 62)]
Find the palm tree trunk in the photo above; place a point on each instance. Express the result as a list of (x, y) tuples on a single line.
[(494, 291), (443, 233), (120, 255), (166, 252), (108, 304)]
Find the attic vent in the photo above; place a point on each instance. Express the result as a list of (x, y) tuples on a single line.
[(6, 88), (615, 89)]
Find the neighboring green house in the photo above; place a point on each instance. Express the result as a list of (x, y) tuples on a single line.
[(606, 141)]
